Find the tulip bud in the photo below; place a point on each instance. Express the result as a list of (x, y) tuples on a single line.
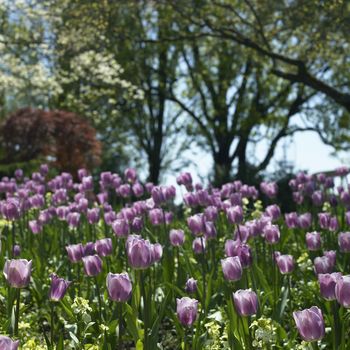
[(16, 250), (342, 291), (273, 211), (305, 220), (327, 284), (198, 245), (191, 285), (58, 288), (104, 247), (17, 272), (232, 268), (89, 248), (7, 343), (285, 263), (235, 214), (120, 227), (92, 265), (310, 323), (196, 224), (75, 252), (140, 252), (291, 220), (187, 310), (272, 234), (119, 286), (323, 264), (313, 241), (246, 302), (93, 215), (176, 237), (344, 242)]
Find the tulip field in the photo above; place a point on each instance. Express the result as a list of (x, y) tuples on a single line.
[(109, 262)]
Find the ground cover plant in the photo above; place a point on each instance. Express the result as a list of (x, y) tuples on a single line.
[(112, 263)]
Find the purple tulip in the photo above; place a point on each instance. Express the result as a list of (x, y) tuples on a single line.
[(291, 220), (235, 214), (187, 310), (93, 215), (285, 263), (232, 268), (156, 216), (273, 211), (176, 237), (157, 252), (16, 250), (333, 224), (317, 198), (89, 248), (196, 224), (92, 265), (313, 241), (305, 220), (119, 286), (272, 234), (58, 288), (246, 302), (191, 285), (7, 343), (124, 190), (17, 272), (327, 284), (342, 291), (104, 247), (198, 245), (209, 230), (310, 323), (323, 265), (130, 175), (139, 252), (121, 227), (137, 189), (73, 219), (75, 252), (331, 255), (344, 242), (324, 219)]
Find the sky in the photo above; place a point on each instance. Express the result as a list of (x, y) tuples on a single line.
[(305, 150)]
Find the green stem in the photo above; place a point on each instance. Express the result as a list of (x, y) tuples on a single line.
[(203, 278), (17, 312), (99, 299), (120, 325), (52, 325)]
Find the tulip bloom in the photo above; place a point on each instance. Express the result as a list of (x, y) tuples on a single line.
[(176, 237), (92, 265), (235, 214), (232, 268), (342, 291), (17, 272), (7, 343), (140, 252), (75, 252), (327, 284), (104, 247), (323, 264), (272, 234), (58, 287), (310, 323), (198, 245), (344, 242), (313, 241), (187, 310), (285, 263), (246, 302), (119, 286), (191, 285)]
